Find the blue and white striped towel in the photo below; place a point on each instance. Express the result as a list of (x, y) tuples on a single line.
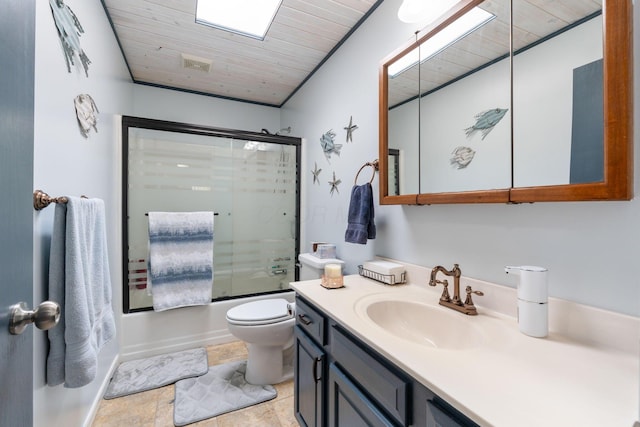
[(180, 270)]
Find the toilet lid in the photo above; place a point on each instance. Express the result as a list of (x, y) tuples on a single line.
[(260, 312)]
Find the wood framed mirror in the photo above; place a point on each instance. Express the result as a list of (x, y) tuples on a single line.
[(511, 40)]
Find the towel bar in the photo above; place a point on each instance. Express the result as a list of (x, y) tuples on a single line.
[(214, 214), (374, 165), (41, 199)]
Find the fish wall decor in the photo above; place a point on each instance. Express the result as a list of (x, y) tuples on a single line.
[(328, 144), (461, 157), (86, 113), (486, 121), (69, 30)]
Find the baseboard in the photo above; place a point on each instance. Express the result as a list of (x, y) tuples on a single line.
[(91, 416), (176, 344)]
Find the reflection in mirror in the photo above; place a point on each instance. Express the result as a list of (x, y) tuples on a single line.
[(465, 134), (394, 171), (557, 93), (403, 116)]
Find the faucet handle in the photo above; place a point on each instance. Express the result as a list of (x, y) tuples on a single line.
[(445, 291), (468, 301)]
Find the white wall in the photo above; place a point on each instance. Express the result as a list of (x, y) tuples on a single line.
[(65, 163), (590, 248), (164, 104)]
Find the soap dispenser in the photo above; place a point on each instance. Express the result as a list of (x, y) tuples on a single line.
[(533, 315)]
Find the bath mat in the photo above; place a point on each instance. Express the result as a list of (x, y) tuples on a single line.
[(145, 374), (223, 389)]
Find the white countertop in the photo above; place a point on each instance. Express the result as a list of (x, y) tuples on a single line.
[(509, 379)]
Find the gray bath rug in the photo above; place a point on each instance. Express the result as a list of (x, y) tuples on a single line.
[(145, 374), (223, 389)]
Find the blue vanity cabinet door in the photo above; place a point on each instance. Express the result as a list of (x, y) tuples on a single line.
[(309, 381), (386, 384), (438, 415), (349, 407)]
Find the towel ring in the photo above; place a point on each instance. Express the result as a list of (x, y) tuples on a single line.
[(374, 165)]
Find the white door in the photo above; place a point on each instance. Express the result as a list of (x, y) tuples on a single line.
[(17, 38)]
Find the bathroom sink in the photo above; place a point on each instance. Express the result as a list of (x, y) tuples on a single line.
[(428, 325)]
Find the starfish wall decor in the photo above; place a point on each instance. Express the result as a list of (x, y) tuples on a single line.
[(350, 129), (316, 173), (334, 184)]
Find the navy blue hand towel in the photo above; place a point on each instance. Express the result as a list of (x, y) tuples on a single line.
[(361, 226)]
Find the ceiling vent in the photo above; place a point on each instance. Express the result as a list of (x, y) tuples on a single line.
[(196, 63)]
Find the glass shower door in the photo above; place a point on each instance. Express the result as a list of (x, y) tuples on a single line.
[(251, 185)]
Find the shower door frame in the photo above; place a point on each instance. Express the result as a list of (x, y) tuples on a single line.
[(194, 129)]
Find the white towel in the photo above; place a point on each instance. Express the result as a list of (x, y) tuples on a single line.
[(79, 281), (180, 271)]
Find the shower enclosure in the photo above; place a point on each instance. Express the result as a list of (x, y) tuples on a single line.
[(251, 181)]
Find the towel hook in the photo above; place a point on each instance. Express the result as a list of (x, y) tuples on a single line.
[(374, 165)]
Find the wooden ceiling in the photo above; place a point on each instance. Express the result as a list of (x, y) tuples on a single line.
[(155, 34), (533, 20)]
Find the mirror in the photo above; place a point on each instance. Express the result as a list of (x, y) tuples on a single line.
[(403, 113), (549, 144), (557, 94), (465, 138)]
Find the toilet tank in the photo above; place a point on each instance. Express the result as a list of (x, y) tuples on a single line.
[(312, 267)]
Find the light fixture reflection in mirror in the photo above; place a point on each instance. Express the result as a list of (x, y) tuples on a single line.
[(457, 30)]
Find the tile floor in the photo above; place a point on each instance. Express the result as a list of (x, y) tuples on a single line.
[(154, 408)]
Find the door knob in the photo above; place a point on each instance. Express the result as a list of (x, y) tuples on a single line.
[(45, 316)]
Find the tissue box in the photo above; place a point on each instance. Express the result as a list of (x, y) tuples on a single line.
[(326, 251), (387, 272)]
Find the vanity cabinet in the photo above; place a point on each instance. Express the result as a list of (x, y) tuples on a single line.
[(309, 366), (340, 381), (309, 382)]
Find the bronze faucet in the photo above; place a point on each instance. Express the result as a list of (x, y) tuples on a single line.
[(466, 307)]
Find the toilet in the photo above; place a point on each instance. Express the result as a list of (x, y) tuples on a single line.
[(266, 326), (312, 267)]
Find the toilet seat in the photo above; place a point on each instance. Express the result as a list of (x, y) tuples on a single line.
[(261, 312)]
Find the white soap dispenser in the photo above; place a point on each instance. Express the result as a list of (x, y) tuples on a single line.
[(533, 314)]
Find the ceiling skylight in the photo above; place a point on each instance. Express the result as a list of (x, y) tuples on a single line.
[(458, 29), (251, 18)]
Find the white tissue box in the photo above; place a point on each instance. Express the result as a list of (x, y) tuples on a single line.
[(387, 272), (326, 251)]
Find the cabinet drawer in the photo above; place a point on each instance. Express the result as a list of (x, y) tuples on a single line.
[(389, 387), (310, 320)]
